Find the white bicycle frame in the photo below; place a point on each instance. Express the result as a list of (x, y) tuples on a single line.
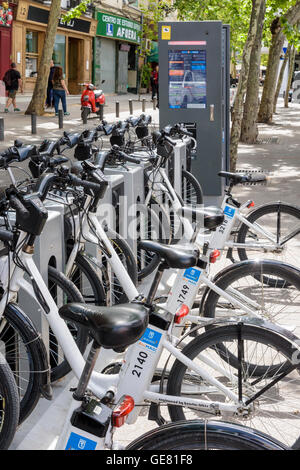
[(100, 383), (220, 239), (110, 253)]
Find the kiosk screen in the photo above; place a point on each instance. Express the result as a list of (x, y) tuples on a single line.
[(187, 79)]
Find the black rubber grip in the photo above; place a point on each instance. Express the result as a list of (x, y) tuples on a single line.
[(128, 158), (6, 235), (18, 206), (85, 184)]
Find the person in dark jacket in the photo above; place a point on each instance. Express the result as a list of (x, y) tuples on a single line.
[(13, 82), (49, 100)]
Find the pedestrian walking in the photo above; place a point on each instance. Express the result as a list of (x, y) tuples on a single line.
[(49, 100), (59, 90), (156, 79), (12, 80), (154, 83)]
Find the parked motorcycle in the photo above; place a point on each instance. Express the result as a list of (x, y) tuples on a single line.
[(91, 99)]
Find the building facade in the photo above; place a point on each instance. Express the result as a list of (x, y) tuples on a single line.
[(73, 48), (116, 46), (6, 22)]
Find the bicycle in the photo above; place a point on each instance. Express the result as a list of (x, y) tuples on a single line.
[(91, 422), (160, 327)]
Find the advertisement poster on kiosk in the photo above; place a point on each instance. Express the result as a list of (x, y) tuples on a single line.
[(187, 79)]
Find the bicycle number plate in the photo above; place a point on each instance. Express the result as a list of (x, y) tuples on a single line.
[(184, 290), (222, 233)]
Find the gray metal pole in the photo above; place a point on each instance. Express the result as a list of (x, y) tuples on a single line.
[(117, 109), (33, 123), (130, 107), (101, 112), (60, 119), (144, 105), (1, 129)]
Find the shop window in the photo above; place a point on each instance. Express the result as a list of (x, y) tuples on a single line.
[(59, 51), (31, 53)]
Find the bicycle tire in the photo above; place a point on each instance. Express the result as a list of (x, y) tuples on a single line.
[(84, 276), (201, 435), (18, 340), (126, 255), (251, 269), (9, 405), (188, 180), (70, 293), (151, 261), (287, 430), (259, 213)]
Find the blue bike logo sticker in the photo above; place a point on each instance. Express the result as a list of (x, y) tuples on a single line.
[(229, 211), (192, 275), (150, 339), (77, 442)]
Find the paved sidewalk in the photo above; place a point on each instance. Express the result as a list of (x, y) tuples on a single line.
[(280, 156)]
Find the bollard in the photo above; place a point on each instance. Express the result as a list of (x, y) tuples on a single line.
[(117, 109), (60, 119), (144, 105), (1, 129), (130, 107), (154, 103), (33, 123), (101, 113), (84, 115)]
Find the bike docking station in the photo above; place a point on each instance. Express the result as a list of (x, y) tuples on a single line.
[(49, 250), (194, 66), (109, 213), (130, 202)]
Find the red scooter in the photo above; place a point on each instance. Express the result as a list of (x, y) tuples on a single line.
[(91, 99)]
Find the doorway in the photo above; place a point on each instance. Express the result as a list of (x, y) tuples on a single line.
[(5, 50), (75, 72)]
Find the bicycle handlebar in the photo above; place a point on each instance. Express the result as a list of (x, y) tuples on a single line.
[(18, 206)]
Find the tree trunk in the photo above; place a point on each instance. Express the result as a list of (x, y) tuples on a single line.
[(38, 99), (238, 107), (280, 78), (289, 82), (265, 113), (249, 129), (267, 101)]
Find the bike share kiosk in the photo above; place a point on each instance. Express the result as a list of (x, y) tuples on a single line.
[(194, 84)]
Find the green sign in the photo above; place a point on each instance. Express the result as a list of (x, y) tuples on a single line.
[(117, 27)]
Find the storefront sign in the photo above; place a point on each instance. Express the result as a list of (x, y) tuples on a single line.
[(117, 27), (6, 15), (40, 15)]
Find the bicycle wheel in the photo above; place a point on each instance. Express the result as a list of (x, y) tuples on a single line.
[(84, 276), (273, 400), (9, 405), (246, 282), (110, 281), (280, 220), (203, 435), (63, 291), (19, 346), (191, 191), (155, 227)]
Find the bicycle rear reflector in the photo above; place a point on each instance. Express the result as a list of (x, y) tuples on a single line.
[(122, 410), (182, 312), (214, 256)]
